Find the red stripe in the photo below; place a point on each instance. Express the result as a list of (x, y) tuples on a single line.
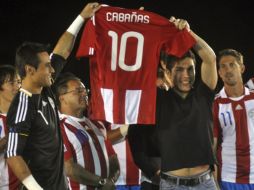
[(14, 183), (119, 106), (242, 143), (132, 171), (88, 158), (100, 153)]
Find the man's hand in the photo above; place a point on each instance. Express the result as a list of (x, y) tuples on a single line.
[(89, 10), (109, 185), (3, 142), (180, 23)]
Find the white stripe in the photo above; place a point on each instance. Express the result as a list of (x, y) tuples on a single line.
[(22, 108), (78, 151), (249, 105), (132, 102), (15, 144), (105, 153), (91, 51), (39, 111), (107, 95), (18, 112), (26, 106), (93, 20), (97, 164), (227, 122), (12, 144), (9, 145), (120, 149)]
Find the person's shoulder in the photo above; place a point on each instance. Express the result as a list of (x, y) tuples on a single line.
[(22, 97), (56, 58)]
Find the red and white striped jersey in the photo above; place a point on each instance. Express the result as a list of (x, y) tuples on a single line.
[(250, 83), (86, 144), (129, 172), (8, 181), (126, 46), (234, 128)]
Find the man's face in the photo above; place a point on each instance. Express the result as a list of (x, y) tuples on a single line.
[(10, 88), (183, 75), (76, 96), (230, 70), (43, 74)]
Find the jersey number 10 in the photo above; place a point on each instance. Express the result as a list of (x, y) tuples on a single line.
[(122, 50)]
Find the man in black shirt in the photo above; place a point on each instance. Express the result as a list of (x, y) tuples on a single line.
[(35, 148), (184, 118)]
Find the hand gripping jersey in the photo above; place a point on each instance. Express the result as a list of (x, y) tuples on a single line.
[(124, 46)]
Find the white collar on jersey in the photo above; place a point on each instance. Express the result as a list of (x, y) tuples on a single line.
[(26, 92), (224, 95), (74, 121)]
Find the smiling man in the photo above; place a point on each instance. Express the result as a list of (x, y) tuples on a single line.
[(35, 147), (184, 119)]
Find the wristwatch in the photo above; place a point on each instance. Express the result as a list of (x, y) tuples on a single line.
[(102, 182)]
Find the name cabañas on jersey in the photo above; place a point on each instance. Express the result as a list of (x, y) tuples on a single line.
[(126, 17)]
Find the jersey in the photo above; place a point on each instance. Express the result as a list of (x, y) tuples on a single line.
[(125, 45), (34, 134), (86, 144), (250, 83), (8, 180), (129, 173), (233, 126)]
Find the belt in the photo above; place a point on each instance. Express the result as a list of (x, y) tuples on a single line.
[(187, 181)]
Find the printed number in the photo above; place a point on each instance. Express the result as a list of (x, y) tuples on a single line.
[(225, 116), (122, 50)]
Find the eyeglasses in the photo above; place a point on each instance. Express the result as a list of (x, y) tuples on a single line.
[(14, 82), (78, 90)]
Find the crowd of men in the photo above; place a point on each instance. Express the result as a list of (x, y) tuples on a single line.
[(199, 141)]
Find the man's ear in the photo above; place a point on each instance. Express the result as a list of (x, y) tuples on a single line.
[(242, 68), (163, 64), (29, 70)]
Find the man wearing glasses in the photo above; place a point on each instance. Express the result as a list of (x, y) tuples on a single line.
[(9, 84), (90, 161)]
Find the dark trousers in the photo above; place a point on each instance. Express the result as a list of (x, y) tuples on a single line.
[(149, 186)]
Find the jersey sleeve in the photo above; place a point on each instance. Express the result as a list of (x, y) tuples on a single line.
[(66, 143), (87, 42), (19, 123), (58, 63), (179, 42)]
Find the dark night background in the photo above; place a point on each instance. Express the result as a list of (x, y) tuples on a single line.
[(223, 24)]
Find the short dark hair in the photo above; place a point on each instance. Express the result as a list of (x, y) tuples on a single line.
[(7, 72), (60, 85), (230, 52), (170, 60), (27, 54)]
